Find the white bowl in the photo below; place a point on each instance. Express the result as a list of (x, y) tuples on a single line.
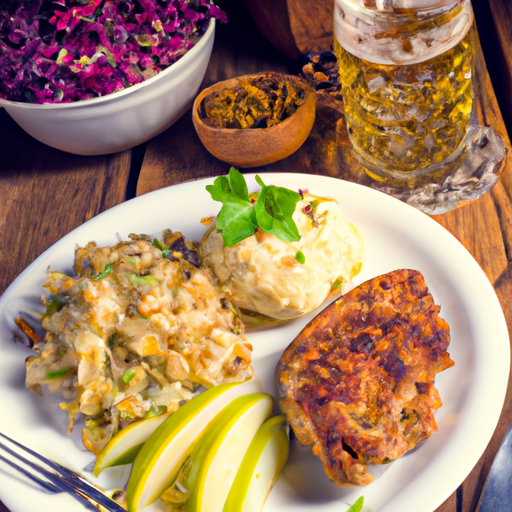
[(123, 119)]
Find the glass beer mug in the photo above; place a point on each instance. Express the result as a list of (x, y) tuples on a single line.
[(405, 69)]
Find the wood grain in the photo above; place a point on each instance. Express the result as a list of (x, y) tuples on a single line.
[(294, 26), (497, 42), (45, 193)]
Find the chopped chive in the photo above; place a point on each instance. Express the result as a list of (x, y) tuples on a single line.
[(135, 279), (55, 303), (62, 352), (336, 284), (128, 376), (166, 252), (131, 261), (300, 257), (57, 374), (106, 271)]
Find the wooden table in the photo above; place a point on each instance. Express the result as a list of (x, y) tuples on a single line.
[(45, 193)]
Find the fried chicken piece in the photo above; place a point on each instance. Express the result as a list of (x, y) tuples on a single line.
[(357, 384)]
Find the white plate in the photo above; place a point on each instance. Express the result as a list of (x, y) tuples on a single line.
[(396, 236)]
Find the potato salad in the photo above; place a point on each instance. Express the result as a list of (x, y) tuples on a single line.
[(285, 279), (137, 330)]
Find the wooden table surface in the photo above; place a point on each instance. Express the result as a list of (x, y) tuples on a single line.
[(45, 193)]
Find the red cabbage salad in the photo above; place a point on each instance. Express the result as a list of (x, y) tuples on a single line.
[(68, 50)]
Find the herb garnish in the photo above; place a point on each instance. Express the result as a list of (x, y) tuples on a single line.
[(54, 303), (158, 244), (57, 374), (142, 280), (108, 268), (128, 376), (239, 217)]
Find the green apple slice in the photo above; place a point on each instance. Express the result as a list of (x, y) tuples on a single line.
[(214, 462), (167, 448), (124, 446), (260, 468)]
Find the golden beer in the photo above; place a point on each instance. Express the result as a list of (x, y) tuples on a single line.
[(406, 79)]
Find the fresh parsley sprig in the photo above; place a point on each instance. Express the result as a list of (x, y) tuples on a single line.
[(239, 217)]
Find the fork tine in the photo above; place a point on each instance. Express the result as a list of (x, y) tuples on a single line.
[(42, 483), (65, 479), (90, 504), (52, 487)]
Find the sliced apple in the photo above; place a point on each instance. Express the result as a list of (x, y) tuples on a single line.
[(214, 462), (124, 447), (260, 468), (162, 455)]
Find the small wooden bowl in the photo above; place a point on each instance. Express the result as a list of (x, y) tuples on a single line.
[(252, 147)]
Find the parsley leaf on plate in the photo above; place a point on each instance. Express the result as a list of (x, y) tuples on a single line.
[(274, 210), (239, 217), (236, 219)]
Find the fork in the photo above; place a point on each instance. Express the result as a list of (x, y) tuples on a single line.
[(58, 479)]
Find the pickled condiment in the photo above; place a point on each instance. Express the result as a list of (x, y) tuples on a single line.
[(259, 102), (406, 78)]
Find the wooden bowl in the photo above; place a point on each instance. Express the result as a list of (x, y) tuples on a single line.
[(252, 147)]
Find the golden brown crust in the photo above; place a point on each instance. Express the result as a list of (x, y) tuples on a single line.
[(358, 382)]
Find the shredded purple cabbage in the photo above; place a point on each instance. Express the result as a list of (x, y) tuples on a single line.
[(68, 50)]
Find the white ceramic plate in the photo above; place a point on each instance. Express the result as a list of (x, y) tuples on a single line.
[(396, 236)]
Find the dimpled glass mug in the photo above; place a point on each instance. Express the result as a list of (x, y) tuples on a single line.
[(406, 70)]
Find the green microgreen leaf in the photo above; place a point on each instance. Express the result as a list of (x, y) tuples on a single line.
[(135, 279), (55, 303), (128, 376), (241, 214), (57, 374), (357, 506), (300, 257), (158, 244), (108, 268), (131, 261)]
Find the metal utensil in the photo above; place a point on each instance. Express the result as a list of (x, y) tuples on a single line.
[(497, 492), (56, 479)]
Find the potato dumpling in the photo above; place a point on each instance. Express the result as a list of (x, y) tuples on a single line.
[(282, 280)]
